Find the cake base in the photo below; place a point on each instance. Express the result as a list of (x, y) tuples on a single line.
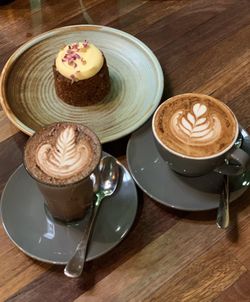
[(83, 92)]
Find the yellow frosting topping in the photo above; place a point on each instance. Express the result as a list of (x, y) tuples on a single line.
[(79, 61)]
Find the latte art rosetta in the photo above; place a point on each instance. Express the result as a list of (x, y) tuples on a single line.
[(65, 158), (197, 126), (194, 125)]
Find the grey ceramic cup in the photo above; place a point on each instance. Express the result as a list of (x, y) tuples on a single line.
[(70, 201), (231, 161)]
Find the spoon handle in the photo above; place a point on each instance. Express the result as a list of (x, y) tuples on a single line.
[(74, 267), (223, 210)]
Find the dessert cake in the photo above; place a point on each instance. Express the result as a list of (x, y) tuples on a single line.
[(81, 74)]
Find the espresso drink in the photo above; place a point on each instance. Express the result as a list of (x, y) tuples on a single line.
[(61, 158), (195, 125)]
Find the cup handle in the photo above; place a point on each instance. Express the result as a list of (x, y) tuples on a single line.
[(236, 163)]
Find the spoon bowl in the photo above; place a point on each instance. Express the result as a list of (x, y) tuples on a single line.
[(109, 175)]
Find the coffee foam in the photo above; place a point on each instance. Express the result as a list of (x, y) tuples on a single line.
[(62, 153), (195, 125), (66, 157)]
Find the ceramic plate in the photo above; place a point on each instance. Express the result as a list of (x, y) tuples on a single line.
[(37, 234), (157, 180), (27, 87)]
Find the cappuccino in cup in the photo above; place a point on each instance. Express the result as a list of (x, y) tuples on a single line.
[(61, 157), (195, 125), (196, 133)]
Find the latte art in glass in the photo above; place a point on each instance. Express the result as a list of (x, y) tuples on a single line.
[(62, 153), (195, 125), (65, 158)]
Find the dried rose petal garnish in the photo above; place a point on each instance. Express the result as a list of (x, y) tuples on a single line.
[(72, 55), (72, 64), (75, 46), (73, 78), (83, 61), (85, 44)]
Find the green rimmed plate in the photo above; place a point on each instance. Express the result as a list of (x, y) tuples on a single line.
[(27, 88)]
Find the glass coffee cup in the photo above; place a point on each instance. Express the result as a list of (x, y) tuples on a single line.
[(62, 158)]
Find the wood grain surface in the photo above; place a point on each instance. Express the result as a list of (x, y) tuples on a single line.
[(203, 46)]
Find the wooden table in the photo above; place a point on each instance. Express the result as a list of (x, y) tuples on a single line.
[(203, 46)]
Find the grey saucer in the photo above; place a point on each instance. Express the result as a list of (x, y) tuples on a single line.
[(158, 181), (37, 234)]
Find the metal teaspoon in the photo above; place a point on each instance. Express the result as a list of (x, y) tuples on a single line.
[(223, 219), (109, 177)]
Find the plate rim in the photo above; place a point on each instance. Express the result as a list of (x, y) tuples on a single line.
[(88, 27), (62, 262)]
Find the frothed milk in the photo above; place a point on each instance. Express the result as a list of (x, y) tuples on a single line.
[(61, 157), (62, 153), (195, 125)]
